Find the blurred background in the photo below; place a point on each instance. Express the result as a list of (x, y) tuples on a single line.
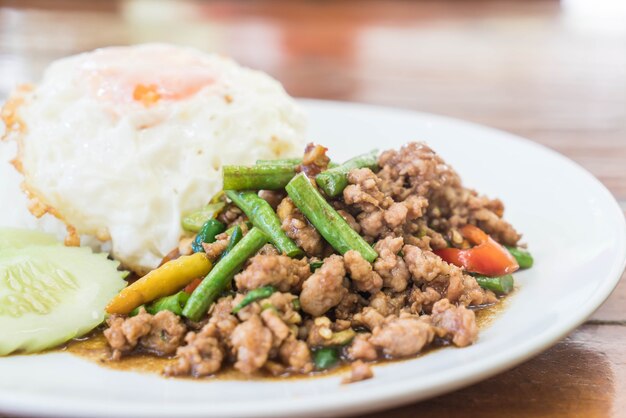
[(553, 71)]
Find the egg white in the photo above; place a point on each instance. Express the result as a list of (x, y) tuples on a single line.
[(112, 166)]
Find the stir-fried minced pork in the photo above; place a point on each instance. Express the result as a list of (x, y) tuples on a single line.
[(296, 355), (215, 249), (415, 169), (201, 356), (388, 303), (298, 228), (457, 206), (362, 348), (161, 333), (455, 322), (361, 272), (390, 265), (426, 266), (314, 160), (273, 321), (424, 237), (318, 331), (402, 336), (364, 193), (221, 315), (273, 197), (369, 317), (453, 284), (349, 305), (251, 342), (417, 166), (359, 370), (423, 300), (324, 289), (268, 249), (277, 314), (231, 215), (280, 271), (285, 305)]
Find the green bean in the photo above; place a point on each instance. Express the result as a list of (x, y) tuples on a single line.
[(235, 237), (334, 180), (291, 162), (325, 358), (194, 221), (254, 295), (257, 177), (207, 234), (285, 161), (314, 265), (235, 233), (135, 311), (222, 273), (326, 220), (501, 285), (230, 230), (263, 217), (173, 303), (523, 258)]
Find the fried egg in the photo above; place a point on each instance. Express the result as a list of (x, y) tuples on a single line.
[(121, 142)]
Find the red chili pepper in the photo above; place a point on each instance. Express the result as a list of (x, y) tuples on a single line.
[(486, 257), (192, 286)]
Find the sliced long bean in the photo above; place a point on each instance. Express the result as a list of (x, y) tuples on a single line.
[(326, 220), (222, 274), (254, 295), (263, 217), (194, 221), (257, 177), (334, 180), (291, 162), (235, 237), (173, 303), (523, 258), (501, 285), (285, 161), (314, 265), (230, 230)]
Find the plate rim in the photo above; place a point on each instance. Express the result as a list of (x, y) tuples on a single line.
[(373, 398)]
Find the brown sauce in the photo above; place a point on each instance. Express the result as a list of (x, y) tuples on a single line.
[(94, 348)]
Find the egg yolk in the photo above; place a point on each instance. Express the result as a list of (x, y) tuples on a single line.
[(117, 76), (148, 95)]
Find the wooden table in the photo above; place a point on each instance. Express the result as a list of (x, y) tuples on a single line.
[(554, 73)]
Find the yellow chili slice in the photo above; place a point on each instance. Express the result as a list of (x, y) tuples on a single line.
[(165, 280)]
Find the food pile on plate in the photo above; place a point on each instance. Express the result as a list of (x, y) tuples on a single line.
[(183, 167)]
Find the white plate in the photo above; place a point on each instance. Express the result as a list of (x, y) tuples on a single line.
[(576, 233)]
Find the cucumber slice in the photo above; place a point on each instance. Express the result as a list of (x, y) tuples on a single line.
[(12, 238), (50, 294)]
